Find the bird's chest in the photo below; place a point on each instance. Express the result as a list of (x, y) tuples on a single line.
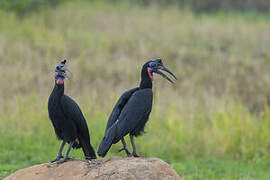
[(139, 103), (142, 99), (55, 111)]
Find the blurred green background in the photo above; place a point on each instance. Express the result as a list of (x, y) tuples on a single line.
[(214, 123)]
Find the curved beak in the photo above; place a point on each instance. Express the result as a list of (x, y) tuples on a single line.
[(163, 75), (168, 71), (67, 69)]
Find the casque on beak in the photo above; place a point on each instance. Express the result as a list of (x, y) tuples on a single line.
[(62, 68), (67, 69)]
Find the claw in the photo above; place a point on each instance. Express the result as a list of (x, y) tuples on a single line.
[(125, 149), (122, 149), (136, 155), (56, 159), (90, 158), (63, 160)]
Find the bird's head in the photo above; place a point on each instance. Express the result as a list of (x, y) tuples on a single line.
[(154, 66), (60, 73)]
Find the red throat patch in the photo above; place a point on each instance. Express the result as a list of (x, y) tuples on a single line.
[(59, 81), (149, 74)]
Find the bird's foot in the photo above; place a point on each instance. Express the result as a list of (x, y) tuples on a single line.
[(56, 159), (90, 158), (126, 150), (134, 154), (63, 160)]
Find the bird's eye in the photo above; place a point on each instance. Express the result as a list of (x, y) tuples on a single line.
[(152, 64)]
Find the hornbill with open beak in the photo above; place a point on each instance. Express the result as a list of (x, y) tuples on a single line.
[(132, 110), (68, 121)]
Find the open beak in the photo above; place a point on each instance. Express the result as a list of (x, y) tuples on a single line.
[(163, 75), (167, 70)]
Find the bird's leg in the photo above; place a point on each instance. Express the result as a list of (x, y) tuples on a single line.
[(59, 155), (134, 153), (125, 147), (67, 152)]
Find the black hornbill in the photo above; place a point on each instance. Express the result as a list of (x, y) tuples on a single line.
[(132, 110), (68, 121)]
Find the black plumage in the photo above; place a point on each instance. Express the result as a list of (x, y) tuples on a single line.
[(132, 110), (68, 121)]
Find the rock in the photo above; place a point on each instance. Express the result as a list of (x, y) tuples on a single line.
[(107, 168)]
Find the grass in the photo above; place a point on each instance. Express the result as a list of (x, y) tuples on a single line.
[(197, 150), (28, 153), (214, 123), (221, 169)]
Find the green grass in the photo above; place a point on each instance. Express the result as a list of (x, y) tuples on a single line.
[(221, 169), (214, 123), (23, 151), (225, 144)]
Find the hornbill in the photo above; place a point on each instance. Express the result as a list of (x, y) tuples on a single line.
[(132, 110), (68, 121)]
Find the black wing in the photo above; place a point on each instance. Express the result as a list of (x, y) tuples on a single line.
[(118, 107), (136, 110), (73, 111)]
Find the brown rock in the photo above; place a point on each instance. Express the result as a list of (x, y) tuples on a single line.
[(100, 169)]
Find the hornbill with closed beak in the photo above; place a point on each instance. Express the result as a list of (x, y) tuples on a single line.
[(68, 121), (132, 110)]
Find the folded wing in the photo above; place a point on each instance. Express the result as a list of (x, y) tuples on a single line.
[(134, 113)]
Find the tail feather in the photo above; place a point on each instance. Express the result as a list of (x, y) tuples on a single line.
[(107, 141), (88, 150)]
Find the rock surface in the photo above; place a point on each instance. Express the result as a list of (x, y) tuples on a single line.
[(107, 168)]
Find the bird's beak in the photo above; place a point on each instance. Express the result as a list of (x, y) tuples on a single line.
[(167, 70), (67, 69), (163, 75)]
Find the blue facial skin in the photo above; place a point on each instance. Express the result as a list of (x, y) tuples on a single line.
[(155, 63), (152, 64)]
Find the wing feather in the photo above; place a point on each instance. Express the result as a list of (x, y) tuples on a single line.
[(136, 110), (73, 112), (119, 106), (131, 109)]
